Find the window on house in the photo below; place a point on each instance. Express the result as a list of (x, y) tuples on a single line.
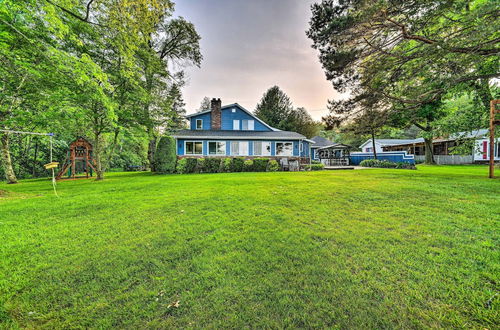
[(248, 125), (217, 148), (194, 148), (262, 148), (239, 148), (301, 147), (236, 125), (199, 123), (284, 148), (368, 150)]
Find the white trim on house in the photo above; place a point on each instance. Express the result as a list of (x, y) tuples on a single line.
[(236, 124), (216, 148), (276, 148), (193, 141), (201, 125), (269, 138)]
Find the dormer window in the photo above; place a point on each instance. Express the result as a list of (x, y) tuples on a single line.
[(248, 125), (199, 123)]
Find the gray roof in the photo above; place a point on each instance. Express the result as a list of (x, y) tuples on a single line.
[(455, 136), (321, 142), (238, 135)]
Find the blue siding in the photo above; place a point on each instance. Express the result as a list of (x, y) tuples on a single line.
[(228, 116), (206, 117), (393, 156), (305, 151)]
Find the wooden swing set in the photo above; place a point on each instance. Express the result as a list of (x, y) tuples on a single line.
[(78, 160)]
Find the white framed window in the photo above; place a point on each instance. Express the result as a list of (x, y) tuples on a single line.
[(301, 147), (239, 148), (233, 110), (199, 123), (248, 125), (236, 125), (284, 148), (193, 148), (262, 148), (217, 148)]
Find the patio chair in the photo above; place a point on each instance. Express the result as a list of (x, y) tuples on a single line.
[(285, 166)]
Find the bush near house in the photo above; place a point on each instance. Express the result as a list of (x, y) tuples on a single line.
[(212, 165), (226, 165), (273, 166), (191, 164), (181, 166), (314, 167), (260, 164), (237, 164), (165, 158), (386, 164), (248, 166)]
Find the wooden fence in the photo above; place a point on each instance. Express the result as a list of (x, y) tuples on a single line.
[(449, 159)]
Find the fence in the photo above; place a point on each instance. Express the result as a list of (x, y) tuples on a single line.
[(449, 159), (393, 156)]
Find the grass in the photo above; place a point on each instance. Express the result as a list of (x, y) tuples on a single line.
[(374, 248)]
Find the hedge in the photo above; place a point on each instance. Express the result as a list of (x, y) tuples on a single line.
[(386, 164), (237, 164), (314, 167), (248, 166), (260, 164), (212, 165)]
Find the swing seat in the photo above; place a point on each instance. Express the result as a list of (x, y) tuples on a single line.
[(51, 165)]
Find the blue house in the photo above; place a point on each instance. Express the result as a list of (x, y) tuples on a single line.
[(231, 130)]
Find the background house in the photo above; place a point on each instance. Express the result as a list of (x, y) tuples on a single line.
[(442, 147), (231, 130)]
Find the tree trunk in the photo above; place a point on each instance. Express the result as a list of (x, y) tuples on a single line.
[(6, 160), (429, 153), (34, 158), (373, 146), (152, 150), (97, 156), (111, 150)]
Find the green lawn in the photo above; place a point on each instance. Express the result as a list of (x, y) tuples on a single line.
[(373, 248)]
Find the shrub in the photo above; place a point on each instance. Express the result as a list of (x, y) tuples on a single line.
[(315, 162), (273, 166), (165, 157), (212, 165), (226, 165), (314, 167), (385, 164), (237, 164), (260, 164), (200, 165), (181, 166), (191, 165), (248, 165)]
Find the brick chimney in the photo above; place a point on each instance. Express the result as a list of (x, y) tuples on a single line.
[(215, 105)]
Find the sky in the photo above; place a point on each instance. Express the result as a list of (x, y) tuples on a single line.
[(250, 46)]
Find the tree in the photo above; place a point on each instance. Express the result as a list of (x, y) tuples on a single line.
[(205, 104), (366, 114), (301, 122), (174, 42), (410, 52), (274, 108)]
